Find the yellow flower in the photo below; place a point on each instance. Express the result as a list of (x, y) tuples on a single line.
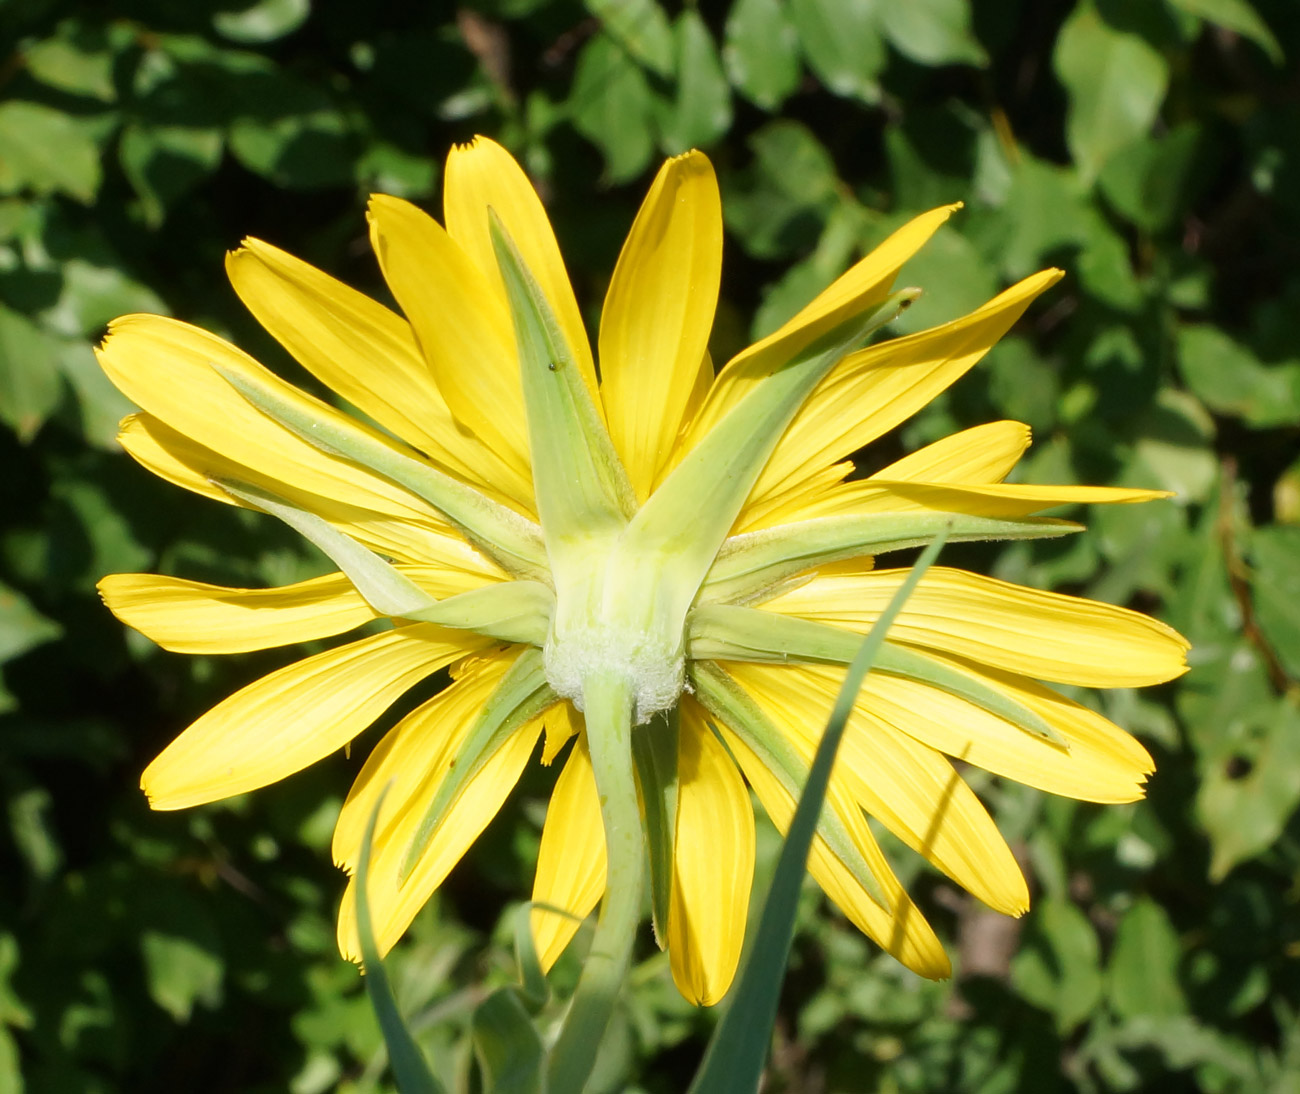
[(542, 528)]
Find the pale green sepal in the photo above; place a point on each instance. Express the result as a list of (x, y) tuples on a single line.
[(410, 1069), (725, 632), (733, 1062), (508, 1047), (580, 483), (513, 611), (722, 697), (381, 586), (609, 699), (521, 696), (654, 750), (753, 566), (685, 521), (509, 539), (896, 660)]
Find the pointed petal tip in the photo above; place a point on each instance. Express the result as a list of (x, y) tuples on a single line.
[(938, 967)]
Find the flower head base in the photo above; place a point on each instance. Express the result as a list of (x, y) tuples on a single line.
[(663, 567)]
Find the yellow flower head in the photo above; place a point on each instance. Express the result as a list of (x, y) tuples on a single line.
[(666, 550)]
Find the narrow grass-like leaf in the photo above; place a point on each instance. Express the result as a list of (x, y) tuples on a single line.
[(508, 1047), (733, 1063), (731, 704), (410, 1069), (533, 986)]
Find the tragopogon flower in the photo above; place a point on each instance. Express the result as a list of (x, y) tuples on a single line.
[(675, 553)]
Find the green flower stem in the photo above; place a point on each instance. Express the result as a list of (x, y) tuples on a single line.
[(608, 701)]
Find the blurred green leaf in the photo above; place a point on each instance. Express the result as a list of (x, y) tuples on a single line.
[(786, 193), (933, 32), (1057, 966), (1251, 787), (31, 825), (93, 294), (1181, 1043), (1231, 380), (1143, 969), (47, 151), (79, 64), (181, 971), (263, 21), (30, 386), (1275, 591), (388, 169), (163, 163), (306, 142), (1116, 81), (21, 626), (612, 106), (1236, 15), (804, 280), (100, 406), (641, 28), (701, 108), (1172, 448), (1149, 180), (761, 52), (841, 42)]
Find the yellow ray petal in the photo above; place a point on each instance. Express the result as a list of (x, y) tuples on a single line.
[(195, 617), (1005, 500), (875, 389), (368, 355), (910, 788), (862, 287), (176, 458), (1103, 764), (900, 930), (296, 715), (713, 864), (482, 175), (571, 858), (167, 368), (394, 905), (562, 722), (654, 329), (1046, 635), (461, 323), (982, 454), (417, 751)]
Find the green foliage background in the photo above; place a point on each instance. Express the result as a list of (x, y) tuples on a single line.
[(1150, 147)]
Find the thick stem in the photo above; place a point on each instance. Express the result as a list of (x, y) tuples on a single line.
[(608, 702)]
